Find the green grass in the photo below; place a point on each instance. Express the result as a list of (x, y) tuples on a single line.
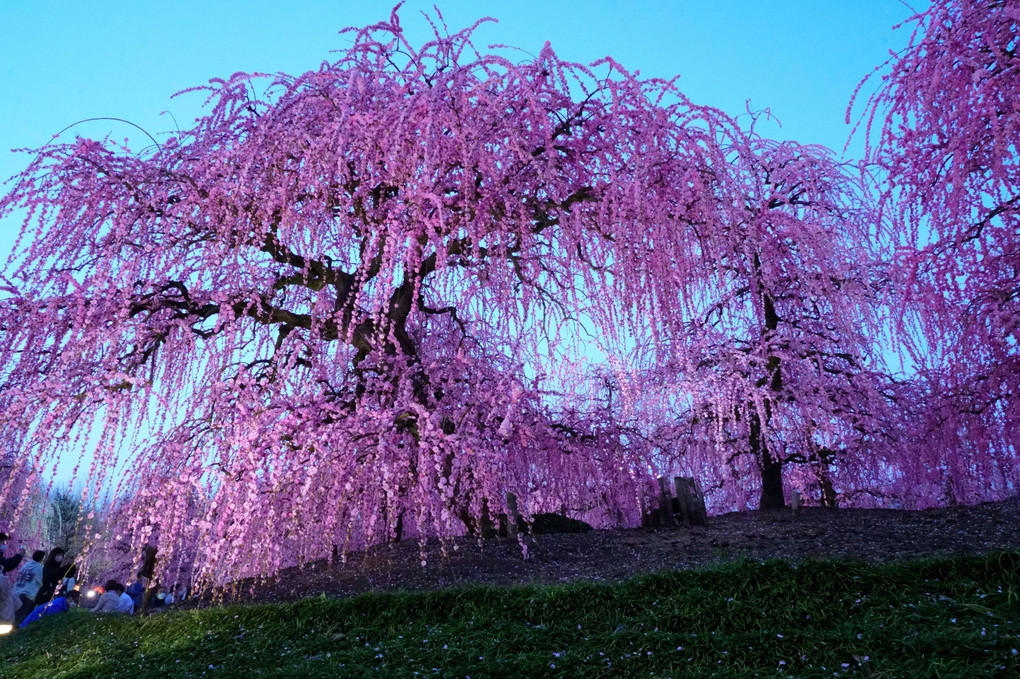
[(956, 617)]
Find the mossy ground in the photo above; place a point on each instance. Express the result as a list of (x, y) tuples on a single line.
[(950, 617)]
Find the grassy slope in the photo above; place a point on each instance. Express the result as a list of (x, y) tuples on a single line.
[(950, 617)]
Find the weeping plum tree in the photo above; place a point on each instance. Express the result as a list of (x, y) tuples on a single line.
[(334, 312), (345, 310), (946, 116), (776, 362)]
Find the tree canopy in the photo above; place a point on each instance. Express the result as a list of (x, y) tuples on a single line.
[(367, 302), (944, 127)]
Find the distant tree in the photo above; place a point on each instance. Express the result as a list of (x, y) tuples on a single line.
[(64, 521), (22, 500), (777, 361)]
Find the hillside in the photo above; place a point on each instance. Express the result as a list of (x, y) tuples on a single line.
[(869, 535)]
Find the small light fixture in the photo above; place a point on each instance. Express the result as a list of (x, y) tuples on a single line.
[(6, 629)]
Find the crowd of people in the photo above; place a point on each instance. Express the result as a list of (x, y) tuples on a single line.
[(46, 585)]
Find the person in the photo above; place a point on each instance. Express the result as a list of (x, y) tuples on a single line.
[(8, 564), (127, 604), (9, 604), (136, 590), (109, 601), (157, 598), (177, 594), (27, 585), (59, 604), (53, 573)]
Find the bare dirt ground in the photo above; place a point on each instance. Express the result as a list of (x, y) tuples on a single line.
[(870, 535)]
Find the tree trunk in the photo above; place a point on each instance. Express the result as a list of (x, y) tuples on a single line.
[(771, 467), (829, 498), (771, 483)]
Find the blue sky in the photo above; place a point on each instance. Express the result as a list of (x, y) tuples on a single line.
[(64, 61)]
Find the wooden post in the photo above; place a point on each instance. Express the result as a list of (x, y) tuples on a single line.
[(691, 501), (795, 503), (682, 500), (511, 519), (649, 514), (699, 510), (666, 515)]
